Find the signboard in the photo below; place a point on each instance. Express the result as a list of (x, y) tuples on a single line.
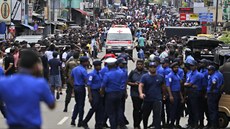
[(182, 17), (2, 36), (5, 10), (16, 10), (206, 17), (186, 10), (198, 4), (193, 17)]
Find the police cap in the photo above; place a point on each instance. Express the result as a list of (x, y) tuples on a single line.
[(211, 67), (174, 64), (152, 64), (157, 59), (165, 60), (192, 63), (84, 59), (110, 60), (97, 62)]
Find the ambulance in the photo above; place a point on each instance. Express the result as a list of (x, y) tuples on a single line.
[(119, 36)]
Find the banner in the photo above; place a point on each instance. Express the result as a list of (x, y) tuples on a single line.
[(5, 11)]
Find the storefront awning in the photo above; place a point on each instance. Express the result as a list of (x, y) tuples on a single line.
[(28, 26), (82, 12)]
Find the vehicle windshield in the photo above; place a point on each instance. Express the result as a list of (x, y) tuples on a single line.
[(119, 36)]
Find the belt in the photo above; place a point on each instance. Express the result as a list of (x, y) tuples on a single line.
[(79, 85), (15, 126)]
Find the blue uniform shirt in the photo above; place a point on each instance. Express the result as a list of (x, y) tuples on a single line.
[(22, 95), (1, 71), (181, 73), (160, 70), (94, 80), (152, 87), (213, 79), (173, 81), (204, 72), (195, 78), (104, 70), (113, 80), (79, 74), (220, 77)]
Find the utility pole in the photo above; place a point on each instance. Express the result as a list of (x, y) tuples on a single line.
[(94, 22), (26, 12), (70, 7), (53, 10), (216, 22)]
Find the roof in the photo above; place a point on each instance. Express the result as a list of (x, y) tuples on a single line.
[(203, 42), (82, 12), (29, 38), (119, 30)]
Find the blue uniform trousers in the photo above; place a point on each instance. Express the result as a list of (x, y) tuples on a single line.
[(113, 102), (203, 108), (175, 107), (213, 101), (122, 118), (97, 108), (193, 98), (156, 107), (79, 93)]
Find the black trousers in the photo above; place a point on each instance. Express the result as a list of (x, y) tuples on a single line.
[(2, 109), (22, 127), (137, 113), (68, 93), (156, 107)]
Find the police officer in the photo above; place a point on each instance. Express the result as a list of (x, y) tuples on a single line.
[(173, 83), (2, 107), (203, 100), (194, 85), (166, 103), (113, 84), (79, 79), (70, 64), (150, 90), (133, 81), (26, 90), (122, 64), (213, 95), (95, 99)]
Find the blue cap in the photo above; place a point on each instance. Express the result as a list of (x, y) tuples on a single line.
[(152, 64), (193, 63), (165, 60), (84, 59), (97, 62), (211, 67), (177, 60), (203, 61), (174, 64), (157, 59)]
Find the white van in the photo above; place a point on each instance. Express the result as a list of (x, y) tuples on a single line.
[(119, 36)]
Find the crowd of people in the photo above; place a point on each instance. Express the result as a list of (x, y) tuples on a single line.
[(164, 81)]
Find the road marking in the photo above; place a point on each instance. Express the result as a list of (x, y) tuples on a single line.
[(63, 121)]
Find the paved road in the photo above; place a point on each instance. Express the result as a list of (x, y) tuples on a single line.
[(57, 119)]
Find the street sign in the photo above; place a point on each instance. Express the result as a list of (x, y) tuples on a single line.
[(186, 10), (2, 36), (182, 17), (206, 17), (5, 10)]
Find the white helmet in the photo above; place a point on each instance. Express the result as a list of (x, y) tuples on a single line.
[(151, 57)]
